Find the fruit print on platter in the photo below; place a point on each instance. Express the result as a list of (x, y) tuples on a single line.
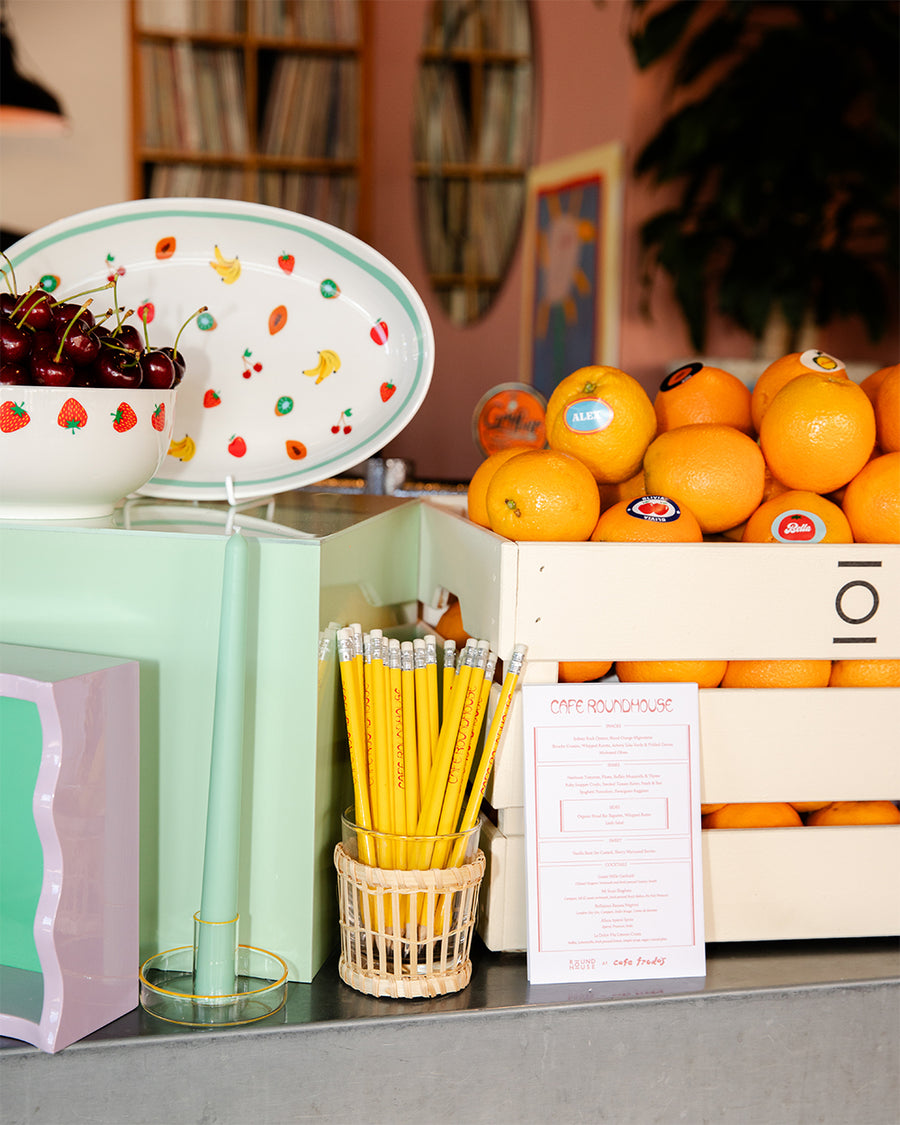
[(352, 345)]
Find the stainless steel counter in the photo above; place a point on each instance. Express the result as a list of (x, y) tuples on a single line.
[(778, 1033)]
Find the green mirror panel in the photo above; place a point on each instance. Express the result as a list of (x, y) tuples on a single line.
[(22, 867)]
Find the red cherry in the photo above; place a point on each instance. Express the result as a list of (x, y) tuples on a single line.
[(335, 429), (347, 429), (247, 373), (257, 367)]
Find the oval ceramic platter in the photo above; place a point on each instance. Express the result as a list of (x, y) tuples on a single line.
[(314, 350)]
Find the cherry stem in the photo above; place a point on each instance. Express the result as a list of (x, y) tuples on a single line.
[(83, 293), (202, 309), (62, 338), (34, 288), (10, 274)]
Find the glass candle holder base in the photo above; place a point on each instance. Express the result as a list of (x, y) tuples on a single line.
[(167, 989)]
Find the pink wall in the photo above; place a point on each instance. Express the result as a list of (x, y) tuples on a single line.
[(589, 93)]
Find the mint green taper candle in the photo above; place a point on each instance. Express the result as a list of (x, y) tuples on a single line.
[(216, 930)]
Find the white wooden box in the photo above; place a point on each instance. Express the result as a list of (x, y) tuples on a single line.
[(581, 601)]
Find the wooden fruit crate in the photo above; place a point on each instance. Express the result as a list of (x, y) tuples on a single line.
[(580, 601)]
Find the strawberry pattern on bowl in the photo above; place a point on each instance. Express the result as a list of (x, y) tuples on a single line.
[(75, 452)]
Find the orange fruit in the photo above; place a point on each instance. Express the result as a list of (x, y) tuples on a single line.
[(872, 382), (476, 493), (771, 488), (543, 494), (697, 393), (798, 517), (865, 673), (855, 812), (715, 471), (582, 671), (623, 490), (808, 806), (887, 412), (776, 674), (450, 626), (604, 418), (788, 367), (647, 519), (872, 501), (754, 814), (818, 432), (706, 673)]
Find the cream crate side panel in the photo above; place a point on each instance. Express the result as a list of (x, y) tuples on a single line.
[(476, 565), (625, 601), (767, 884), (778, 744), (800, 745), (788, 883), (501, 905)]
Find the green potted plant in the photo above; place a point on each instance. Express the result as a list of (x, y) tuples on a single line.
[(781, 154)]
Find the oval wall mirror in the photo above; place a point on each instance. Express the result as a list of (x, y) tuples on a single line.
[(472, 144)]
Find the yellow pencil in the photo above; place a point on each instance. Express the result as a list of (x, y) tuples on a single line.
[(381, 785), (423, 718), (454, 787), (398, 764), (449, 673), (433, 797), (434, 715), (356, 738), (410, 763), (491, 742)]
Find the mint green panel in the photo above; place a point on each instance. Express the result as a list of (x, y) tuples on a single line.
[(21, 854)]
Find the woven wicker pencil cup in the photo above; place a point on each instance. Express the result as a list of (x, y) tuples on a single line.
[(407, 918)]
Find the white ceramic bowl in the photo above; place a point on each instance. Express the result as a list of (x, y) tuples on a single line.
[(75, 452)]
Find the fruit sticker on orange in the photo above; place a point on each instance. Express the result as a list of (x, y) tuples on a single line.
[(798, 527), (821, 362), (588, 415), (657, 509), (680, 375), (507, 416)]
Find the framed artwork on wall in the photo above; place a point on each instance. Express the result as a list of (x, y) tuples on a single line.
[(572, 266)]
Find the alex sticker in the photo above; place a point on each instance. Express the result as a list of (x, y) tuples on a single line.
[(588, 415)]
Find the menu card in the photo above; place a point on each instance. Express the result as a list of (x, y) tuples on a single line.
[(612, 832)]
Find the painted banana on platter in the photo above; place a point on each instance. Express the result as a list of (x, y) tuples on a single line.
[(229, 269), (184, 449), (328, 361)]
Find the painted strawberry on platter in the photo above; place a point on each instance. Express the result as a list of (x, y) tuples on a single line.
[(146, 312), (379, 332), (72, 415), (211, 399), (387, 389), (287, 262), (124, 418), (158, 417), (13, 416), (237, 447)]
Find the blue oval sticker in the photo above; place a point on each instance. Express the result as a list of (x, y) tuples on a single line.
[(588, 415)]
